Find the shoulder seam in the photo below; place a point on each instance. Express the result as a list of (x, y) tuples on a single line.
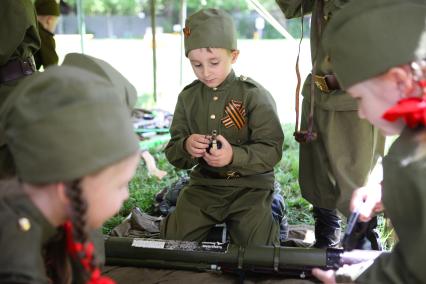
[(190, 85)]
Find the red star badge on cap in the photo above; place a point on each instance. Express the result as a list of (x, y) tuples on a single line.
[(186, 32)]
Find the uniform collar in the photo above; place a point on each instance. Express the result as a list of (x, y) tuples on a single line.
[(226, 83), (29, 214), (40, 26)]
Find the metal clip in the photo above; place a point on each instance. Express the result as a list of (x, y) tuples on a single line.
[(232, 174), (214, 141), (321, 83)]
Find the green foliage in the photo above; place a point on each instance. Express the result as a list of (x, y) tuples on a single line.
[(387, 233), (236, 5), (143, 187), (110, 7), (145, 101), (287, 172), (169, 11), (163, 7)]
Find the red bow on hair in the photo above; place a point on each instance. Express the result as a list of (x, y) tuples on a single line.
[(412, 109), (75, 248)]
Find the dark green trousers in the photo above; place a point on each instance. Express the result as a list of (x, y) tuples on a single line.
[(340, 160), (246, 211)]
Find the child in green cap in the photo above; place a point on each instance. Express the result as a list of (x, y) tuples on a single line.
[(48, 13), (378, 50), (72, 141), (227, 129)]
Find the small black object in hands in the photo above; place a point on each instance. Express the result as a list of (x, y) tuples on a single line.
[(214, 144), (349, 241)]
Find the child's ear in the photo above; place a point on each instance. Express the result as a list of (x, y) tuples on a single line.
[(62, 193), (234, 55), (403, 79)]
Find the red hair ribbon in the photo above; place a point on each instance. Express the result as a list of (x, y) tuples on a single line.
[(412, 109), (75, 248)]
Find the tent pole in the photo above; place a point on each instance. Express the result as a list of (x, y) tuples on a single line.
[(81, 23), (154, 48), (182, 47)]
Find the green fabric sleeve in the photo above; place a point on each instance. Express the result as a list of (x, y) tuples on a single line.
[(264, 149), (404, 196), (393, 268), (47, 55), (18, 30)]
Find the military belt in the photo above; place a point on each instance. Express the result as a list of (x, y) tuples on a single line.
[(15, 69), (218, 175), (327, 83)]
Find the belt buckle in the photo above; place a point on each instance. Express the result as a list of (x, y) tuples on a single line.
[(232, 174), (27, 66), (321, 83)]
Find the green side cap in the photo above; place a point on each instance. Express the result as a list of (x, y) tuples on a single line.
[(66, 123), (368, 37), (210, 28), (47, 7)]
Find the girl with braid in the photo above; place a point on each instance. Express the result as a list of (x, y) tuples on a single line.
[(74, 149), (387, 75)]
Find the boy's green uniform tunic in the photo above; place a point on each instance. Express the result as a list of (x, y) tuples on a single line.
[(347, 147), (228, 193), (404, 198), (24, 230), (47, 55)]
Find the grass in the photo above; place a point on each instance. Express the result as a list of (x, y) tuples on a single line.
[(287, 172)]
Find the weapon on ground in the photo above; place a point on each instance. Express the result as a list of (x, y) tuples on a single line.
[(213, 256)]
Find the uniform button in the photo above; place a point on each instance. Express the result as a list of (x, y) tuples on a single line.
[(212, 116), (239, 141), (215, 98), (214, 89), (24, 224)]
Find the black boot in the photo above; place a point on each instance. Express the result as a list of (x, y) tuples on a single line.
[(373, 237), (327, 228), (368, 238), (279, 212)]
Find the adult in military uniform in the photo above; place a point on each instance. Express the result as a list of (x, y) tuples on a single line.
[(346, 147), (19, 41), (75, 151), (48, 13), (388, 36), (233, 180)]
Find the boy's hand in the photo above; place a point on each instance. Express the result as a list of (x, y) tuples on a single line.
[(326, 277), (371, 196), (196, 145), (220, 157)]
